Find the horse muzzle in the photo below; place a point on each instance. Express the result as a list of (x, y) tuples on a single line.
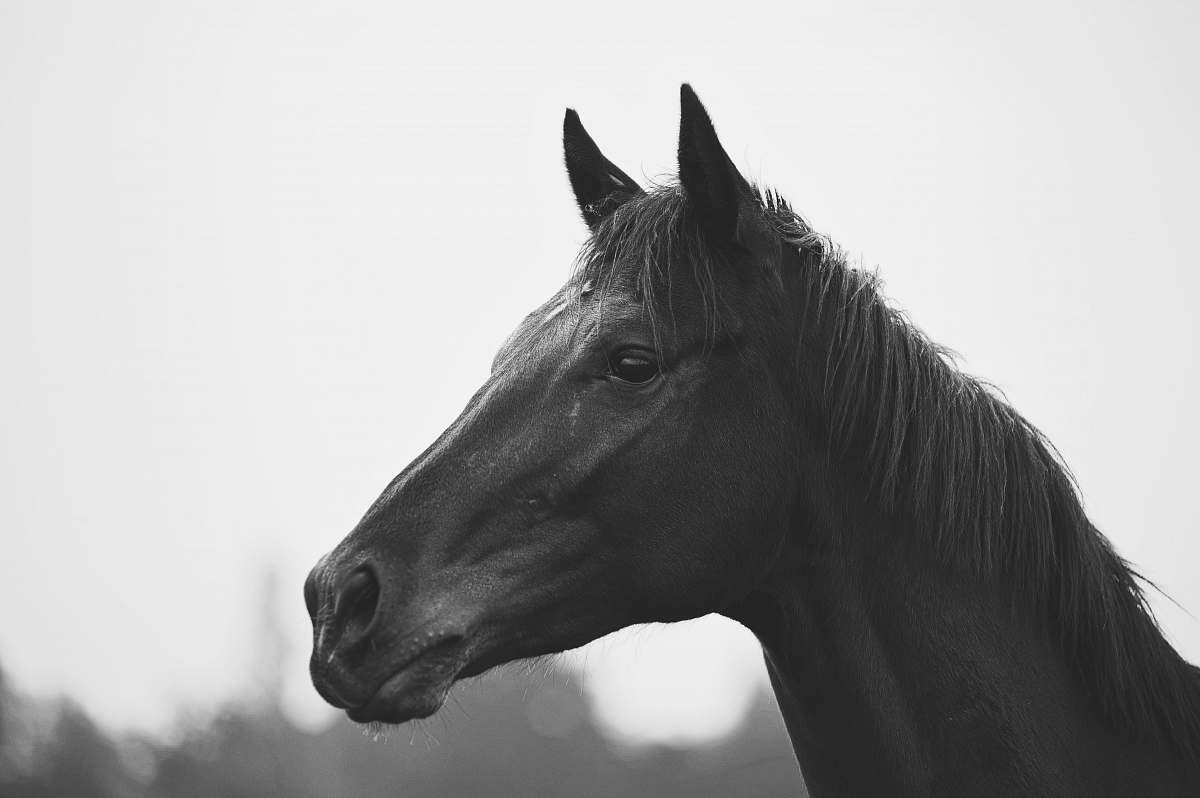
[(371, 655)]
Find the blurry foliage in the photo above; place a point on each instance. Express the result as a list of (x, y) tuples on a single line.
[(511, 734)]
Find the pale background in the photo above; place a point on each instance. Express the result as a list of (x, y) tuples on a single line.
[(255, 256)]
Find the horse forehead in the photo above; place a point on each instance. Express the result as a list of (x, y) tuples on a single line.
[(573, 316), (569, 296), (541, 333), (558, 308)]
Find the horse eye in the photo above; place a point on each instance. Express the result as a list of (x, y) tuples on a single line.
[(635, 368)]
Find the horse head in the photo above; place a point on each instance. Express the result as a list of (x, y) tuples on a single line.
[(630, 457)]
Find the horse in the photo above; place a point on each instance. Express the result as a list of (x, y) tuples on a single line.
[(717, 414)]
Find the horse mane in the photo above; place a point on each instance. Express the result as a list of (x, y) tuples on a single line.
[(941, 449)]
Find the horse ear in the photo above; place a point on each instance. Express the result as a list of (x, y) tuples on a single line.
[(712, 183), (600, 187)]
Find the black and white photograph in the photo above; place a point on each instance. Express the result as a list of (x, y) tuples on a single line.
[(534, 400)]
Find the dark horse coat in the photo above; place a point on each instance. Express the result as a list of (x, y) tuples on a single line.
[(717, 414)]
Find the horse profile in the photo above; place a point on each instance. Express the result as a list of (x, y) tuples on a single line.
[(717, 414)]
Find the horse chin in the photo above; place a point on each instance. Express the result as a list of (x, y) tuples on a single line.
[(416, 690)]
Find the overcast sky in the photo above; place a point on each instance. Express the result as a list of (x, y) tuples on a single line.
[(255, 256)]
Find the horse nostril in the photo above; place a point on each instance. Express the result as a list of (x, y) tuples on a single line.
[(311, 596), (358, 600)]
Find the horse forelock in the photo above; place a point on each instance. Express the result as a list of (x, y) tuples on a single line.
[(986, 488), (638, 250)]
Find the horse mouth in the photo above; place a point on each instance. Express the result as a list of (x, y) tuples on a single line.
[(418, 688)]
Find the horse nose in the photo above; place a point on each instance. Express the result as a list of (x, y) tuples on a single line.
[(312, 595), (342, 603), (357, 601)]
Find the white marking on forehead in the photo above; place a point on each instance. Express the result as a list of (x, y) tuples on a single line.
[(559, 308), (584, 290)]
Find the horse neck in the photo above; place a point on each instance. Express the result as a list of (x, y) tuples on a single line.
[(897, 672), (897, 676)]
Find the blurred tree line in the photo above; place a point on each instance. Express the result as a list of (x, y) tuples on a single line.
[(513, 733), (516, 734)]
